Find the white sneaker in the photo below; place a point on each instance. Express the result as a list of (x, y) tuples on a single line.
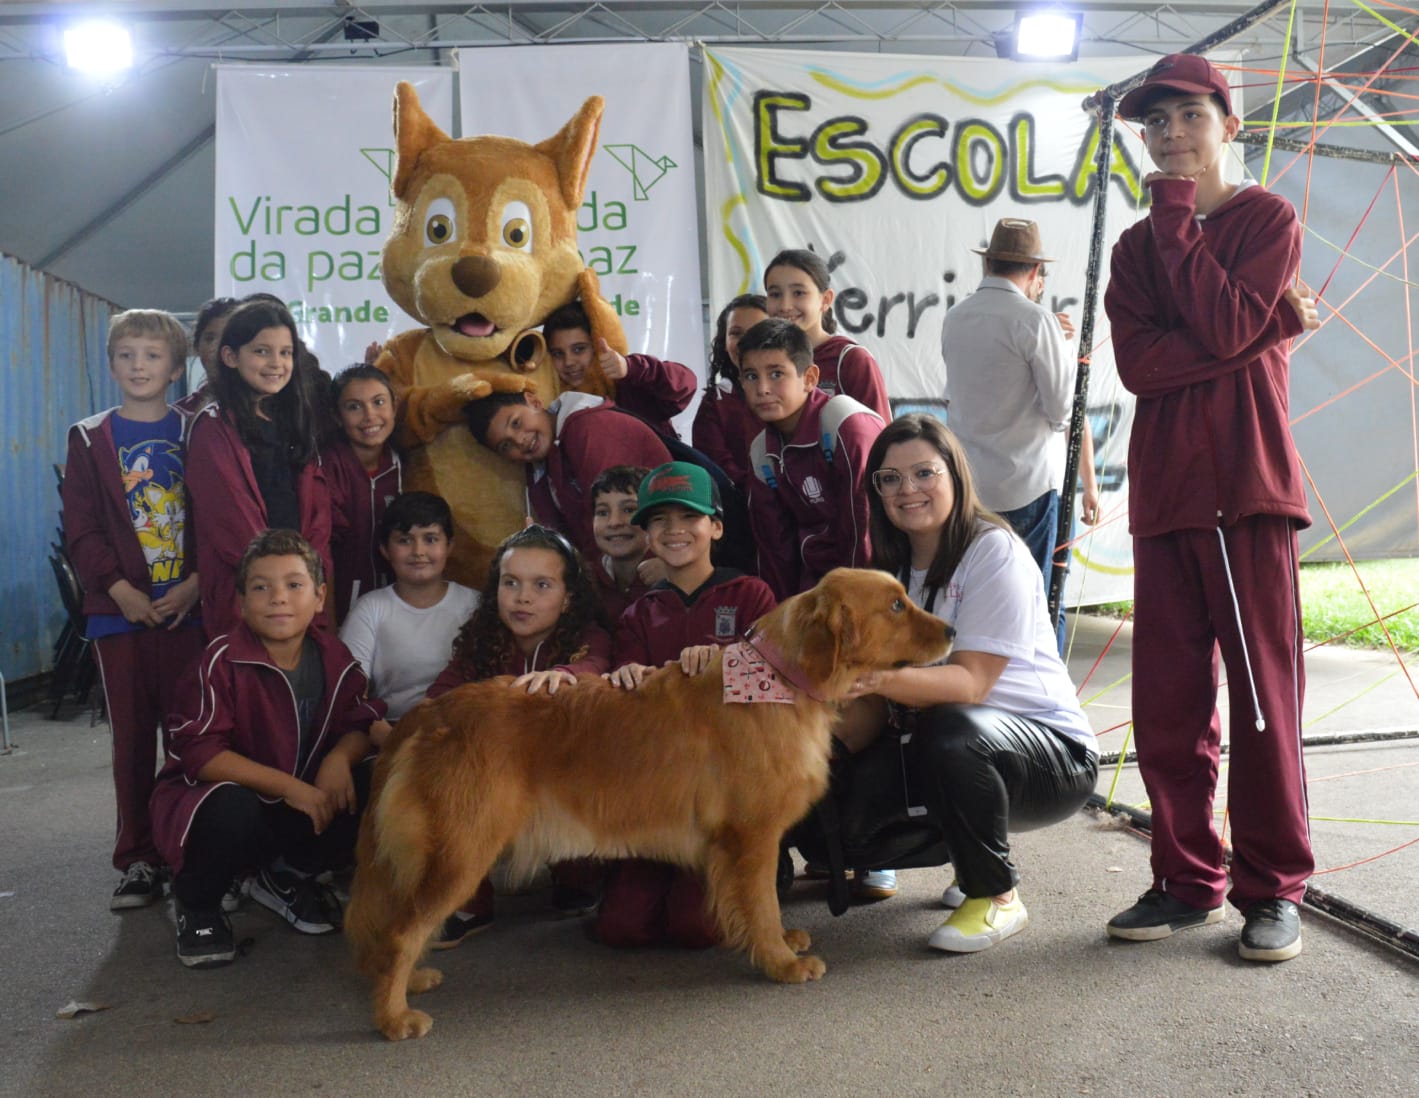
[(979, 924), (953, 897)]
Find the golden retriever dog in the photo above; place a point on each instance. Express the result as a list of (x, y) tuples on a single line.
[(669, 771)]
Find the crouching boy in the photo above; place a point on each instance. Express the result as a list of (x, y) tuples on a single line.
[(265, 768)]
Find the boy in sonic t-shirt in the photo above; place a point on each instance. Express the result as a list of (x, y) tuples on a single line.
[(125, 532)]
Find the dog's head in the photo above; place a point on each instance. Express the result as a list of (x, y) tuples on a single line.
[(484, 238), (856, 620)]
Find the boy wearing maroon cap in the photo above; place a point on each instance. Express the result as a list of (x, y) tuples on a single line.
[(1203, 306), (807, 496), (688, 616)]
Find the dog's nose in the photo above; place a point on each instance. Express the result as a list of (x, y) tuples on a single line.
[(475, 275)]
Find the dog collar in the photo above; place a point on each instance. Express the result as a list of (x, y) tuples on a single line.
[(772, 655)]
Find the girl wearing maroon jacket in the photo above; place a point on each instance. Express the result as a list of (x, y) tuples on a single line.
[(724, 425), (799, 290), (363, 473), (538, 619), (252, 463)]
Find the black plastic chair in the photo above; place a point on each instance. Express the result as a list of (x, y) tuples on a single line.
[(74, 666)]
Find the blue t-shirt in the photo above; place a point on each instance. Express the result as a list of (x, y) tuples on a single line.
[(151, 464)]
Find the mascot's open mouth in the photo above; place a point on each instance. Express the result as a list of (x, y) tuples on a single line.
[(474, 324)]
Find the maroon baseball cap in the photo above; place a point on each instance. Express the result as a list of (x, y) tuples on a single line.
[(1180, 73)]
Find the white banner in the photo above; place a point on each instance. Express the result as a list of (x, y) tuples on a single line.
[(637, 225), (894, 168), (304, 159)]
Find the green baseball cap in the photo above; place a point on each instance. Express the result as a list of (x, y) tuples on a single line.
[(678, 482)]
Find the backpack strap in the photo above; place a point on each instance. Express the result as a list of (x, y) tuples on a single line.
[(761, 461), (830, 423)]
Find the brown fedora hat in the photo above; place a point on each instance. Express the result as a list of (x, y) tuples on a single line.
[(1015, 241)]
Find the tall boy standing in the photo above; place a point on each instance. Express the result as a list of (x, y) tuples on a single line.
[(807, 496), (125, 528), (1203, 308), (264, 770)]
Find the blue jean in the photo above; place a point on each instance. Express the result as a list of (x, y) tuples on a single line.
[(1037, 523)]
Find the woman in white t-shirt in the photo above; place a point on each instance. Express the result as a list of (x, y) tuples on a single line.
[(999, 742)]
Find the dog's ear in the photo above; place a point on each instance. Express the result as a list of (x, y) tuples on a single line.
[(414, 131), (823, 627), (572, 147)]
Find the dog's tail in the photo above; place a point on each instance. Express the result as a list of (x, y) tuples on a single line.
[(391, 857)]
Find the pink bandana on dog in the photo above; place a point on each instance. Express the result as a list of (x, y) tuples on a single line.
[(748, 678)]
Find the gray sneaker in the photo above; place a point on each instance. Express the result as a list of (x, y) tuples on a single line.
[(141, 886), (1156, 915), (1272, 931)]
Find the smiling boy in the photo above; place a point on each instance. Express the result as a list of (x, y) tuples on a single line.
[(265, 766), (565, 447), (126, 534), (1203, 306), (807, 499)]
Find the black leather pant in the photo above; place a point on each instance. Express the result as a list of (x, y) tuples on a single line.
[(983, 772)]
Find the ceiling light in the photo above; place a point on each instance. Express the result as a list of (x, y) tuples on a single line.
[(98, 47), (1048, 35)]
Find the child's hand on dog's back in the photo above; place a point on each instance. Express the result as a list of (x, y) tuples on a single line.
[(695, 660)]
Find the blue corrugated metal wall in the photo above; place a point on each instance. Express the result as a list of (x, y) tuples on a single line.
[(55, 372)]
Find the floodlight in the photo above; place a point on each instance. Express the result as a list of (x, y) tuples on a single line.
[(98, 47), (1046, 35)]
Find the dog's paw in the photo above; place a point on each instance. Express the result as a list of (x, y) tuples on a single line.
[(799, 970), (424, 979), (797, 940), (410, 1023)]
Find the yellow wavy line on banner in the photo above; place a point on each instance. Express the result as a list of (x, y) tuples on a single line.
[(726, 212), (844, 88), (1106, 569)]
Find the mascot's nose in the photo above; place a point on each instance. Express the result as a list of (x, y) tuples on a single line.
[(475, 275)]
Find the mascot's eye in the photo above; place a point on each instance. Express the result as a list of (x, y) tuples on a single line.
[(517, 226), (439, 224), (898, 606)]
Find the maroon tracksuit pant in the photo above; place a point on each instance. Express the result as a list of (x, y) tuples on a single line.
[(1184, 613), (140, 672)]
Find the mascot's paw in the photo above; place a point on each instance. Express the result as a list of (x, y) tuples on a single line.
[(424, 979), (409, 1023), (470, 387), (797, 940), (798, 971)]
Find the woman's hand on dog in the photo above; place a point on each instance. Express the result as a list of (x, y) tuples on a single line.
[(553, 680), (629, 676), (870, 682)]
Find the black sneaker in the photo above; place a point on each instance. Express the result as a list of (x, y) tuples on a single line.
[(141, 886), (1156, 915), (457, 927), (572, 902), (1272, 931), (302, 901), (233, 896), (204, 938)]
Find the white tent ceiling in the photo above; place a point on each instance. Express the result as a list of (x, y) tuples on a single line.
[(110, 186)]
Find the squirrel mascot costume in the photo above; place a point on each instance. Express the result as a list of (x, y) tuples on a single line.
[(483, 248)]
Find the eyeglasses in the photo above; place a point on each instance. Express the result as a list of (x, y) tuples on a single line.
[(922, 478)]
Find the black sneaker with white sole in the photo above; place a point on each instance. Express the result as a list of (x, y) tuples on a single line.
[(302, 901), (204, 938), (142, 885), (1272, 931), (1157, 915)]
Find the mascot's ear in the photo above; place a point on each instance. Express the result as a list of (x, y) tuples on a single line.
[(572, 147), (414, 131)]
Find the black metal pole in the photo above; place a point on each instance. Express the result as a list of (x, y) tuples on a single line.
[(1078, 419)]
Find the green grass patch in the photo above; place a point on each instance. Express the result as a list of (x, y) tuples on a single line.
[(1333, 606)]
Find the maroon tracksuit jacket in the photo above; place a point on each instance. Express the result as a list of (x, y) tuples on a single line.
[(657, 390), (665, 620), (724, 427), (358, 499), (848, 367)]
